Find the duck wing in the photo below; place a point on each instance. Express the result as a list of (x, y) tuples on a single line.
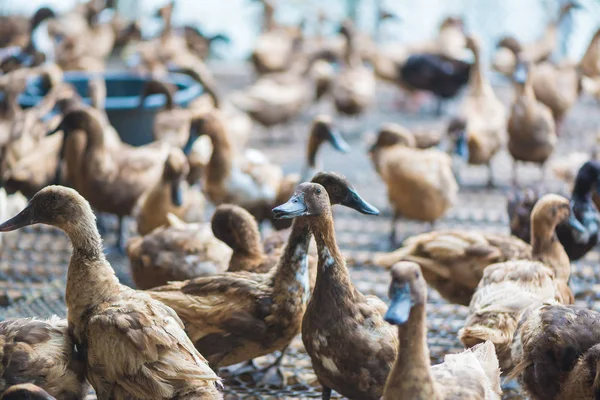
[(157, 359)]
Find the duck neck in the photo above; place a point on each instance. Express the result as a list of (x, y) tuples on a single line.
[(221, 161), (477, 81), (90, 278), (333, 284), (247, 249), (94, 134), (413, 364), (11, 104), (292, 273), (311, 157), (547, 249)]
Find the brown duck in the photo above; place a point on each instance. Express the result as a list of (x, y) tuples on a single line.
[(473, 374), (171, 194), (238, 316), (133, 346), (556, 351), (351, 347), (507, 289), (40, 352), (112, 179)]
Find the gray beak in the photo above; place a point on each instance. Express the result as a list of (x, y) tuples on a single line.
[(295, 207), (399, 310), (354, 201)]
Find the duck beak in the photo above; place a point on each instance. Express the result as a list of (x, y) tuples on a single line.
[(354, 201), (461, 148), (337, 141), (399, 310), (520, 74), (295, 207), (177, 193), (580, 233), (24, 218), (57, 129)]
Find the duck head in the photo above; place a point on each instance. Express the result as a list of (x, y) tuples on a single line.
[(588, 179), (457, 132), (322, 131), (207, 123), (58, 206), (174, 173), (73, 120), (551, 210), (237, 228), (309, 200), (390, 135), (408, 288), (510, 43), (26, 391), (340, 191)]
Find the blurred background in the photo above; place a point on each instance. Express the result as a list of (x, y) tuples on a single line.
[(240, 19)]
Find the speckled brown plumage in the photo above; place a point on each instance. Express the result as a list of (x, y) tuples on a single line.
[(453, 261), (176, 252), (41, 352), (350, 345), (556, 351)]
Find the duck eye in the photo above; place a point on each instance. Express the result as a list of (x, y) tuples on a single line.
[(416, 274), (318, 191)]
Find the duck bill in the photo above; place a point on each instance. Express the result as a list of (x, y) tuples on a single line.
[(177, 193), (399, 309), (24, 218), (354, 201), (461, 148), (580, 233), (521, 73), (338, 142), (295, 207)]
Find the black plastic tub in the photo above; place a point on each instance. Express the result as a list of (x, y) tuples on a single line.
[(123, 90)]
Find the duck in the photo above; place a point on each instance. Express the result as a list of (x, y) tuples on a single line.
[(249, 180), (238, 316), (453, 261), (420, 183), (556, 85), (176, 251), (351, 347), (556, 351), (40, 352), (112, 179), (171, 194), (322, 130), (480, 130), (275, 99), (531, 127), (507, 289), (353, 89), (582, 204), (132, 346), (505, 60), (26, 391), (276, 45), (200, 43), (473, 374)]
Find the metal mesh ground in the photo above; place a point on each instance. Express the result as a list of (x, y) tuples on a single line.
[(34, 260)]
